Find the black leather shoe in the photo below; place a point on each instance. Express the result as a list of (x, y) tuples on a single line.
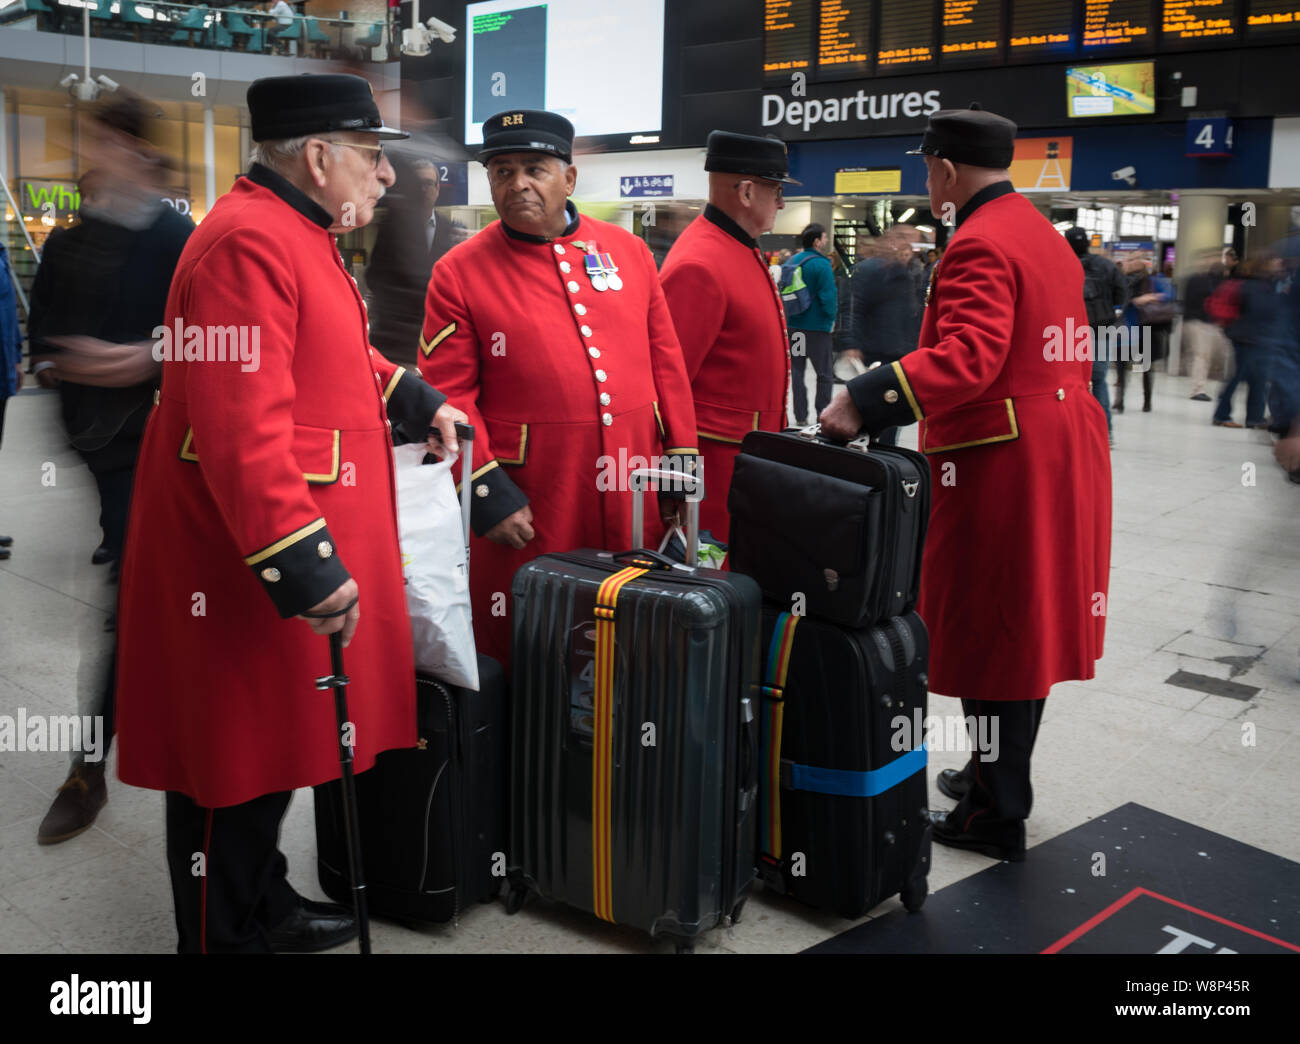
[(101, 556), (313, 927), (953, 784), (5, 541), (946, 832)]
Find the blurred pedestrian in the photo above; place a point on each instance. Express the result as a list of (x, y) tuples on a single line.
[(1254, 334), (1105, 292), (11, 355), (1204, 340), (1138, 319), (809, 318), (412, 237), (99, 293)]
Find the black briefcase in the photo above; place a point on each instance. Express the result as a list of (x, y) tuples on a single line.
[(830, 530)]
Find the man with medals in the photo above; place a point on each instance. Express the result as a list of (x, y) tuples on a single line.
[(727, 310), (567, 380)]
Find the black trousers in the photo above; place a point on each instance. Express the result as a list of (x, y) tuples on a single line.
[(228, 901), (1000, 794), (114, 506), (817, 348)]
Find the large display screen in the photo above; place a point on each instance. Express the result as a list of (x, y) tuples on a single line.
[(1111, 90), (1117, 24), (787, 36), (843, 38), (971, 31), (601, 67), (1041, 28), (1266, 19), (906, 36), (1187, 22)]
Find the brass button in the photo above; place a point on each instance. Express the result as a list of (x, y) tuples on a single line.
[(573, 287), (559, 249), (481, 490), (891, 395), (422, 744), (324, 549), (601, 376), (594, 352), (586, 331), (270, 574), (1060, 393), (564, 267), (604, 398), (606, 419), (580, 308)]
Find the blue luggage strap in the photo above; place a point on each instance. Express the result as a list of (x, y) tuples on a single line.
[(845, 783)]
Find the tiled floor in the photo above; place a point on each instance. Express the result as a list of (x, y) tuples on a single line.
[(1205, 580)]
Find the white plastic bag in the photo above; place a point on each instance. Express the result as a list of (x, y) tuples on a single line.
[(434, 564)]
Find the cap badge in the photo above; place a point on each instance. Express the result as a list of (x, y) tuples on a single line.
[(515, 119)]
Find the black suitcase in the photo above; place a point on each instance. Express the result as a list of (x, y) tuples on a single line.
[(433, 821), (433, 817), (843, 778), (634, 739), (841, 526)]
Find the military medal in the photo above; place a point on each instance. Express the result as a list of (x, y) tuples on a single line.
[(601, 270)]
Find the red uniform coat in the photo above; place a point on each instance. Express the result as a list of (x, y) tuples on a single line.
[(564, 385), (731, 323), (1017, 560), (270, 476)]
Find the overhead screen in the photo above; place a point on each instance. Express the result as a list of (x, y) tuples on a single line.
[(601, 67), (836, 39), (1111, 90)]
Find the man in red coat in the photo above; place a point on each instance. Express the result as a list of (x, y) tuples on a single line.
[(1018, 553), (263, 517), (550, 330), (727, 311)]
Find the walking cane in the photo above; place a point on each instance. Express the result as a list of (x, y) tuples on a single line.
[(338, 681)]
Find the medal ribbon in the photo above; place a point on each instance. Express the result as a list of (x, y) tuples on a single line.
[(778, 667), (602, 749)]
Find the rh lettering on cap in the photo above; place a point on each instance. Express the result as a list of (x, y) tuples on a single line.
[(513, 120)]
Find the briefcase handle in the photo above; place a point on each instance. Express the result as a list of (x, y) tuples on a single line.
[(813, 433)]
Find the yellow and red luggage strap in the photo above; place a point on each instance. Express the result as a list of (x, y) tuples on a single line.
[(602, 747), (778, 668)]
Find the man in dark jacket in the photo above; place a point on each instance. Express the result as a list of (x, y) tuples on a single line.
[(810, 329), (1255, 335), (1203, 340), (412, 236), (883, 321), (1105, 291), (99, 292)]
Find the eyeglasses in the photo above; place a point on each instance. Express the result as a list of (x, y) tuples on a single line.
[(780, 188), (378, 150)]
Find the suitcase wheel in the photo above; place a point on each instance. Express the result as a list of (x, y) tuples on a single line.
[(515, 898), (914, 894)]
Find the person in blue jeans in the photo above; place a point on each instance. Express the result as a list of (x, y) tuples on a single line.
[(810, 329), (1253, 334)]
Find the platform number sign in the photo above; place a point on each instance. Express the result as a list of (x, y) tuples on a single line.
[(1209, 136)]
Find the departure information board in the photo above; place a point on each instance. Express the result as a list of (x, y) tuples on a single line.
[(1198, 21), (1117, 24), (787, 37), (906, 36), (1041, 28), (844, 38), (1266, 19), (971, 31)]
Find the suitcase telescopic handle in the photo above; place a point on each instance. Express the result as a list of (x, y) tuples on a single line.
[(694, 489)]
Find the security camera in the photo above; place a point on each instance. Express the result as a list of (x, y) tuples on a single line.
[(443, 31), (85, 90), (106, 83), (1125, 174), (69, 80)]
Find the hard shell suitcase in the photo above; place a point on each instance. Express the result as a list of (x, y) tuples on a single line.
[(843, 777), (433, 817), (634, 738), (842, 526)]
